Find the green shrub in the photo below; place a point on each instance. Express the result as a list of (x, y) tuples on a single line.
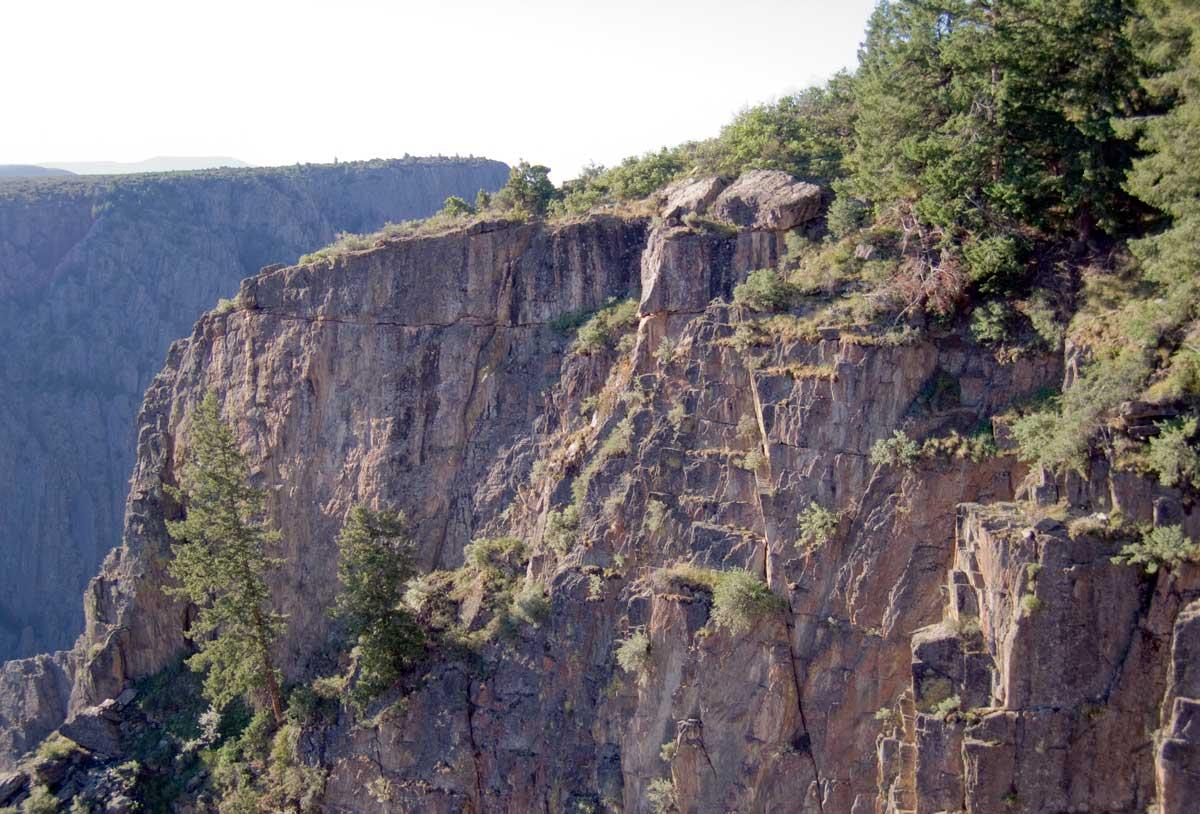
[(656, 514), (990, 323), (562, 528), (661, 796), (633, 653), (847, 215), (666, 351), (569, 322), (602, 329), (1042, 316), (529, 190), (495, 558), (1059, 435), (56, 747), (676, 415), (531, 605), (739, 598), (1181, 378), (1161, 547), (765, 290), (817, 526), (456, 207), (944, 708), (993, 263), (979, 445), (637, 177), (40, 801), (899, 450), (753, 460), (1172, 456)]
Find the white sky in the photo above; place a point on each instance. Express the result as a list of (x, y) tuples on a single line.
[(558, 83)]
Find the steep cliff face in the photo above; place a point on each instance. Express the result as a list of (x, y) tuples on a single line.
[(97, 277), (899, 667)]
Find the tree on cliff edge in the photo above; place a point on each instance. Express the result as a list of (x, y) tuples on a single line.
[(220, 564)]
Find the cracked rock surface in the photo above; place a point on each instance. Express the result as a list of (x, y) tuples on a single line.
[(899, 668)]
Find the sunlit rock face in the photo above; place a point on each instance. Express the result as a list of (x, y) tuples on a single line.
[(901, 667)]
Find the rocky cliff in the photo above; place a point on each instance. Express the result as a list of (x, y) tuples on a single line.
[(97, 277), (957, 638)]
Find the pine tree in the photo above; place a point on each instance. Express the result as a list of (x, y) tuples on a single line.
[(1168, 176), (220, 564), (985, 118), (375, 561)]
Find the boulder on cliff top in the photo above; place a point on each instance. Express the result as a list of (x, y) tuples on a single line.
[(688, 196), (769, 200)]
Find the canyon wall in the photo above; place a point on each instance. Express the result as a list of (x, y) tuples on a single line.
[(97, 277), (900, 666)]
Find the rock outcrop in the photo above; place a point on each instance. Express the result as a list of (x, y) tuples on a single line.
[(97, 277), (947, 645)]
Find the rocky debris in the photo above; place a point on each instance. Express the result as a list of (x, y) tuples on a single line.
[(97, 729), (768, 200)]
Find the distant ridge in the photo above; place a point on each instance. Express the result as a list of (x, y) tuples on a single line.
[(162, 163), (30, 171)]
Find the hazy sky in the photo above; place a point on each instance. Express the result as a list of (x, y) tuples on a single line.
[(560, 83)]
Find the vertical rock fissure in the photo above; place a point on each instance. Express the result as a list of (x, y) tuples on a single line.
[(475, 751), (812, 758), (768, 533)]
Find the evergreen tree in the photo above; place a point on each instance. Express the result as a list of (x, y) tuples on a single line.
[(220, 564), (993, 118), (375, 561), (529, 188), (1168, 177)]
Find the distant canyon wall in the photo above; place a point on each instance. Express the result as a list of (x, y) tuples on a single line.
[(97, 277)]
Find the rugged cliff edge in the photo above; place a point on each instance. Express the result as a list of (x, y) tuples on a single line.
[(904, 669), (97, 277)]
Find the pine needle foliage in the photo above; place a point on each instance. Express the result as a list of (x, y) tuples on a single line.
[(375, 562), (221, 562)]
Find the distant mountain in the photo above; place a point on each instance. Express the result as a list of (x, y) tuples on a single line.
[(162, 163), (30, 171)]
